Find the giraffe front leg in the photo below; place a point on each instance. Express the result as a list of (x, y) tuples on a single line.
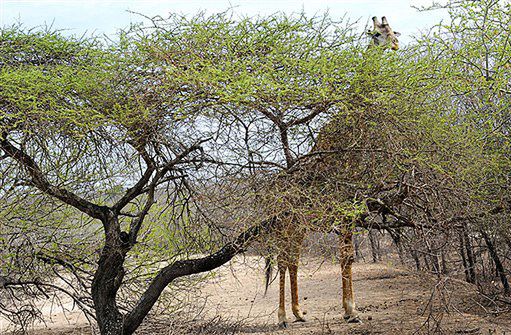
[(282, 295), (348, 301), (293, 278)]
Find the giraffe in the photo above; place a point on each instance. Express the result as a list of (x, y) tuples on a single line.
[(289, 236)]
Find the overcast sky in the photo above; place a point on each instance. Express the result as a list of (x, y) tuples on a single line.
[(105, 17)]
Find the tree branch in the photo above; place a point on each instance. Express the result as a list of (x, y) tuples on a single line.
[(169, 165), (308, 117), (39, 180), (134, 191), (192, 266)]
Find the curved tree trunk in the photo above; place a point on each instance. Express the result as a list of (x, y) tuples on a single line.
[(108, 278)]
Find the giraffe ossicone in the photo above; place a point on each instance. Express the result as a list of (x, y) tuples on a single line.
[(383, 35)]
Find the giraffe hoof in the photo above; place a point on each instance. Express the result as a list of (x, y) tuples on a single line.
[(299, 315), (353, 319), (283, 325)]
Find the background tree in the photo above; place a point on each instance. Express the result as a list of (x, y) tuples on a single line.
[(472, 53)]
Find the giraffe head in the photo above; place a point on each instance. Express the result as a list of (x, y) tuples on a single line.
[(383, 35)]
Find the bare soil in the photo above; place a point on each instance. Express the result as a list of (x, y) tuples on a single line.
[(390, 300)]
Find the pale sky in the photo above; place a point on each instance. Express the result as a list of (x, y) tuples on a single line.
[(105, 17)]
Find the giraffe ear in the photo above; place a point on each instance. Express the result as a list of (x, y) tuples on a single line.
[(397, 34)]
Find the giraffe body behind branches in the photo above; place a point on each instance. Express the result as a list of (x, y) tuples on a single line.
[(311, 192)]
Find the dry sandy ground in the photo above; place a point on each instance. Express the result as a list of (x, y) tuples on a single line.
[(391, 301)]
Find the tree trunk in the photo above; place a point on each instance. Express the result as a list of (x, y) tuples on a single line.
[(435, 262), (356, 244), (470, 256), (426, 263), (396, 238), (445, 269), (104, 290), (464, 257), (416, 258), (107, 280), (432, 254), (496, 259), (374, 246)]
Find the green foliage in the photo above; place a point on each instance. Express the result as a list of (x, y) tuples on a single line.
[(259, 94), (254, 62), (473, 54)]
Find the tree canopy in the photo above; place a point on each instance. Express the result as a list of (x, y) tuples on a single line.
[(126, 165)]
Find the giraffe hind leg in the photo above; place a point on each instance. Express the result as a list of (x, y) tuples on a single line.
[(283, 323), (293, 278), (294, 259)]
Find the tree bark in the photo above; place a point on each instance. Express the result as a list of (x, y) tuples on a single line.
[(396, 238), (109, 277), (426, 263), (374, 246), (471, 261), (496, 259), (188, 267), (416, 258), (464, 257), (356, 243), (445, 269)]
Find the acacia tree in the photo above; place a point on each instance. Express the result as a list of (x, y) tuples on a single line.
[(400, 154), (88, 140), (462, 174), (93, 135), (471, 55)]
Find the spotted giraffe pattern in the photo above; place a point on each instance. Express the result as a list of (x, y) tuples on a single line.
[(315, 177)]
